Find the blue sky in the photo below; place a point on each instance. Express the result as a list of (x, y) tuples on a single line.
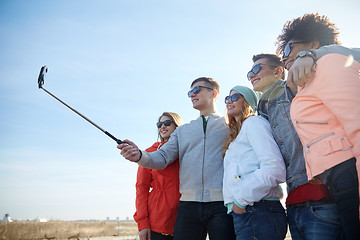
[(120, 63)]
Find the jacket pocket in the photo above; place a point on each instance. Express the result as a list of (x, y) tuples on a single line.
[(307, 147)]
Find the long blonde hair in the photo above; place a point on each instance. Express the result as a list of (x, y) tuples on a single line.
[(173, 116), (234, 126)]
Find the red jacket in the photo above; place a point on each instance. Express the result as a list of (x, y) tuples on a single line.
[(157, 196)]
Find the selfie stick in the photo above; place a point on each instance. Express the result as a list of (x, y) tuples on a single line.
[(44, 70)]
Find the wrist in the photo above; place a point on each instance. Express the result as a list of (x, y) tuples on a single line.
[(140, 156), (307, 53), (240, 206), (237, 203)]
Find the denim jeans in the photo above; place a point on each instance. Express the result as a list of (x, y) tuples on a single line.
[(197, 219), (263, 221), (314, 222), (159, 236), (342, 181)]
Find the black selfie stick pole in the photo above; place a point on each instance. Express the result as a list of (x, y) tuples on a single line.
[(44, 70)]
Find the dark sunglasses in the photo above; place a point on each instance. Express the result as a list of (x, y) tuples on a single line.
[(233, 97), (287, 49), (257, 68), (166, 123), (196, 90)]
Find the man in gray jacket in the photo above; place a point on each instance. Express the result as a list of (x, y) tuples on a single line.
[(199, 147)]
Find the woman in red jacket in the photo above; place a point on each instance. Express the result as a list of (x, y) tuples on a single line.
[(157, 191)]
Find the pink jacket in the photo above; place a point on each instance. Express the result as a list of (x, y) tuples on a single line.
[(326, 114)]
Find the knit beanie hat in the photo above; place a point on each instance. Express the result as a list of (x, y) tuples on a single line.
[(248, 94)]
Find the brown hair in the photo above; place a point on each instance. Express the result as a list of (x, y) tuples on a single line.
[(234, 126), (173, 116), (209, 82)]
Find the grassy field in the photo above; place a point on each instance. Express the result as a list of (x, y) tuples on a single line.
[(67, 230), (71, 231)]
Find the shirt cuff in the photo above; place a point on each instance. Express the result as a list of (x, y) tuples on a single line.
[(143, 158), (238, 204)]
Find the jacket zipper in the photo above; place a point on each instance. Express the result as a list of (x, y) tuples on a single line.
[(304, 122), (316, 140), (203, 170), (205, 123)]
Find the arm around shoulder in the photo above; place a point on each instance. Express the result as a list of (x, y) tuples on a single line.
[(338, 49)]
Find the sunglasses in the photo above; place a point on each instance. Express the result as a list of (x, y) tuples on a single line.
[(166, 123), (287, 49), (233, 97), (196, 90), (257, 68)]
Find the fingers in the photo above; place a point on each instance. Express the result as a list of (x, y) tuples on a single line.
[(129, 151), (125, 143), (304, 77), (301, 72), (290, 82), (144, 234)]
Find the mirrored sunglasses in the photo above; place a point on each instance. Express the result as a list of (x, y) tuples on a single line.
[(233, 97), (287, 49), (257, 68), (196, 90), (166, 123)]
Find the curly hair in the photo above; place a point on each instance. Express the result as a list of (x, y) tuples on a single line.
[(308, 28), (234, 126)]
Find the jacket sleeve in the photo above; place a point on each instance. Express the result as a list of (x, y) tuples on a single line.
[(337, 85), (143, 183), (328, 49), (271, 170), (161, 158)]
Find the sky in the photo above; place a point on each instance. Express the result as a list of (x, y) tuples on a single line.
[(121, 63)]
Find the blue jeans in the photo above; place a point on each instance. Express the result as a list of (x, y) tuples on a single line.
[(197, 219), (314, 222), (263, 221), (342, 182)]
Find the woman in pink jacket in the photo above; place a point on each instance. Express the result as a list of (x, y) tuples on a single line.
[(326, 115)]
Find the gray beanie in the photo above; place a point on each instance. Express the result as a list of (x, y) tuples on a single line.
[(248, 94)]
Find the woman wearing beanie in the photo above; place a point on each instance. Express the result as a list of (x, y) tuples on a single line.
[(253, 169)]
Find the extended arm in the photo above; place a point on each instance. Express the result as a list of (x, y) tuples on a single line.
[(160, 159), (303, 69)]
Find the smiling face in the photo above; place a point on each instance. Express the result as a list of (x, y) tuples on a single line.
[(165, 131), (295, 47), (236, 109), (204, 98), (265, 77)]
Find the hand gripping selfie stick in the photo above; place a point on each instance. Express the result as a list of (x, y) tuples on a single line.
[(44, 70)]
